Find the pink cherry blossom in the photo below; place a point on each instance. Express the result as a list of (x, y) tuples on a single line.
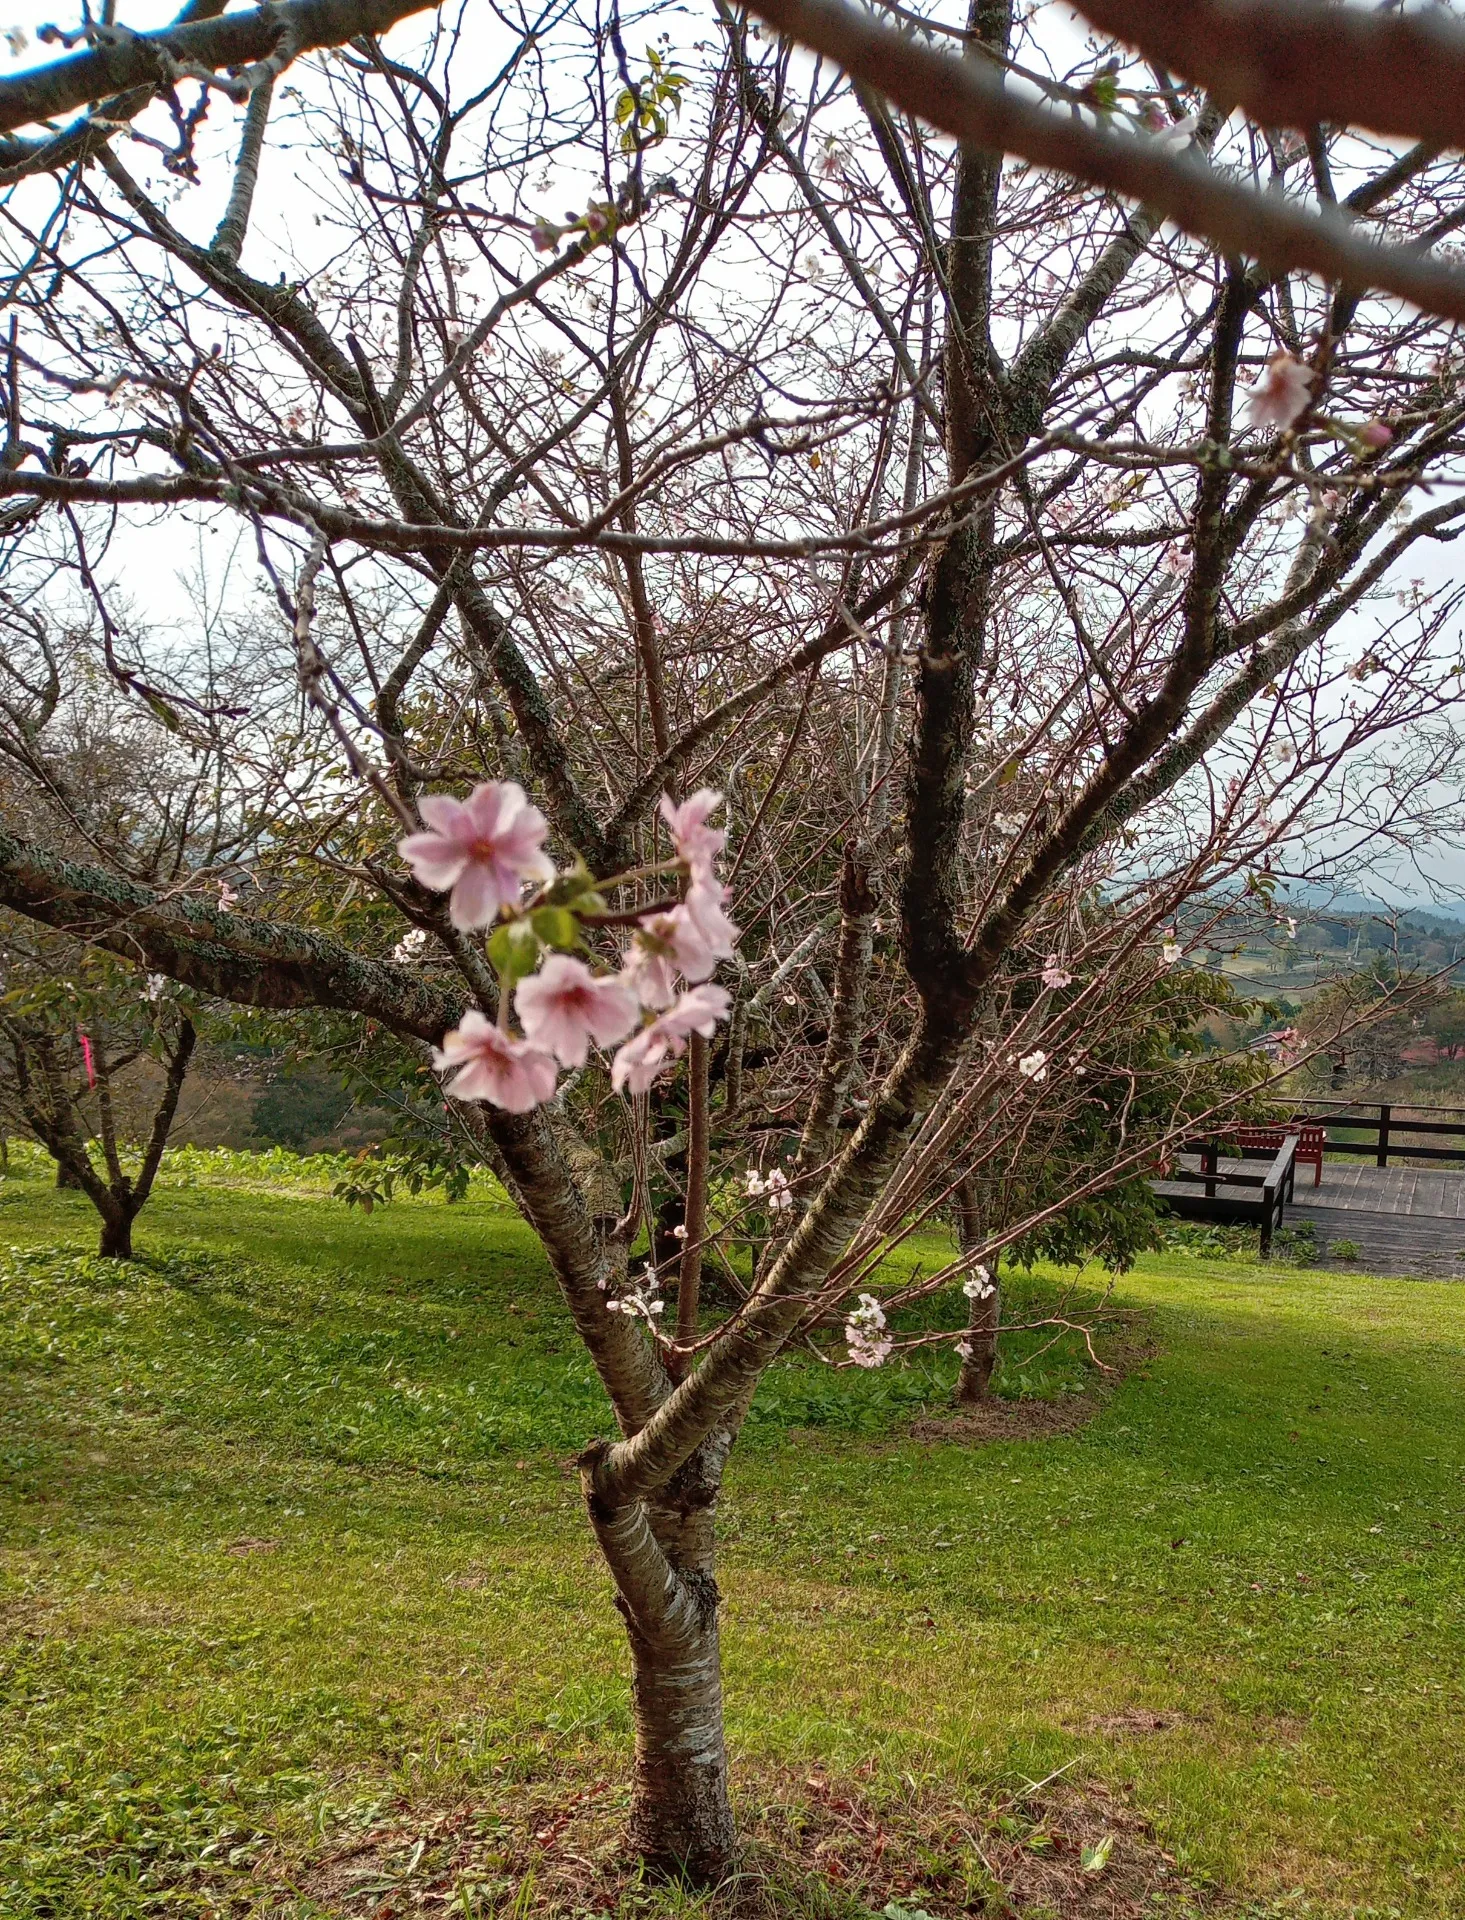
[(1374, 433), (1055, 976), (698, 1011), (651, 969), (1282, 394), (665, 945), (482, 849), (695, 842), (512, 1074), (639, 1061), (643, 1056), (703, 905), (565, 1006)]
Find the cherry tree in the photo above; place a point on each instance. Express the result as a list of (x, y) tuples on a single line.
[(735, 628)]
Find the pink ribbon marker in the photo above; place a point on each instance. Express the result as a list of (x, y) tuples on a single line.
[(86, 1054)]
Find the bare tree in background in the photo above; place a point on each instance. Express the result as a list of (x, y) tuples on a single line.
[(616, 419), (75, 1028)]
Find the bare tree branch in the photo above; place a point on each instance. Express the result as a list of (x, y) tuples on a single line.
[(967, 100), (121, 59), (1295, 63)]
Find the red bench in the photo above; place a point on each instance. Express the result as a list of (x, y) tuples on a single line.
[(1311, 1140)]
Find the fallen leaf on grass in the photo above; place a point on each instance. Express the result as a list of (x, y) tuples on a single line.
[(1094, 1859)]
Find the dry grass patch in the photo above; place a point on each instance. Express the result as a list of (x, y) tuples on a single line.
[(816, 1848), (997, 1419)]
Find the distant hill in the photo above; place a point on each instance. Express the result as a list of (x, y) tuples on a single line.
[(1425, 914)]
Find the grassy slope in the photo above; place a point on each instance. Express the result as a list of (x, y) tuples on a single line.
[(1238, 1589)]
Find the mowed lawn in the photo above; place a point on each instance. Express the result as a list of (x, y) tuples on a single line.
[(287, 1536)]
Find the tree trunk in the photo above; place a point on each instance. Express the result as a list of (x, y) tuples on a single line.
[(681, 1817), (66, 1180), (980, 1360), (116, 1236), (662, 1557)]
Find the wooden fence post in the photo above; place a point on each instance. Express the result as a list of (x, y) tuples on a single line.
[(1385, 1115)]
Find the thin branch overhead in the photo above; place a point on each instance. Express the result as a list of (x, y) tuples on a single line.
[(967, 99), (1299, 63), (119, 59)]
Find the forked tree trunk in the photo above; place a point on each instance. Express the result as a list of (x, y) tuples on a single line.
[(116, 1236), (681, 1816)]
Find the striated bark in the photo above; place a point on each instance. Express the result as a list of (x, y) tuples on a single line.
[(661, 1555), (681, 1816)]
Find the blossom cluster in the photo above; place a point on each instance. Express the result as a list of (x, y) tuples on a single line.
[(865, 1335), (774, 1190), (979, 1284), (639, 1298), (482, 852)]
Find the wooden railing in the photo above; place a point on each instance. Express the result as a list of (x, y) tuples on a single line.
[(1272, 1189), (1390, 1130)]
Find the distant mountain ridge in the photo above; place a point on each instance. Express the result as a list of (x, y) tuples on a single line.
[(1316, 899)]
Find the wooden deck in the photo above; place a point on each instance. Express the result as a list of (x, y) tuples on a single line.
[(1405, 1221)]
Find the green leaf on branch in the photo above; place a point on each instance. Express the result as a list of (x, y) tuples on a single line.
[(575, 888), (556, 927), (162, 710), (644, 113)]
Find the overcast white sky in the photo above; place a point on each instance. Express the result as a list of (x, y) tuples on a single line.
[(159, 564)]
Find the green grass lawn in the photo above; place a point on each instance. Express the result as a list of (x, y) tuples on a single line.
[(287, 1539)]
